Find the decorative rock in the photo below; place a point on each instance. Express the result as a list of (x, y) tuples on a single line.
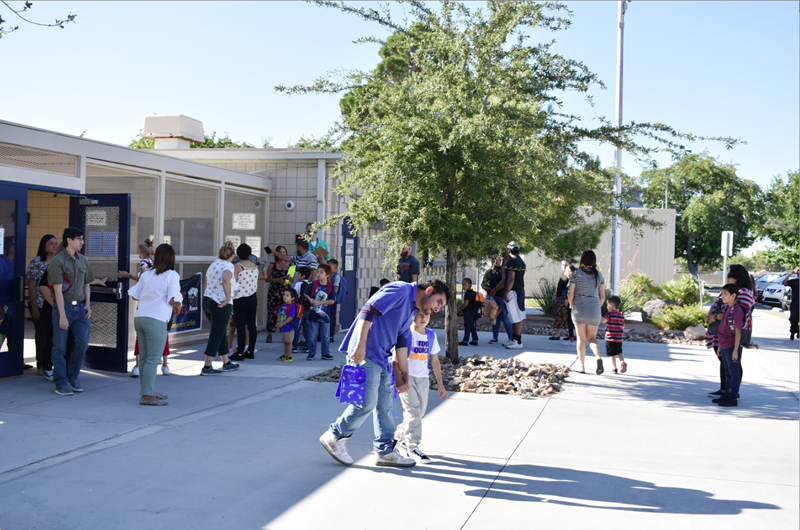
[(694, 332), (653, 307)]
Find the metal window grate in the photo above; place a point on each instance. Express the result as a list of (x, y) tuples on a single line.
[(38, 159)]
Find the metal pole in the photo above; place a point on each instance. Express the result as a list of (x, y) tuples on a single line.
[(615, 241)]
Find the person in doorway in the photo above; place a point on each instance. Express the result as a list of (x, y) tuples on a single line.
[(42, 316), (382, 325), (7, 293), (336, 280), (587, 291), (217, 308), (515, 294), (158, 292), (70, 274), (408, 266)]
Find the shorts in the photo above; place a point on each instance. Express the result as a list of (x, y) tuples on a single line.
[(288, 337), (514, 312), (613, 348)]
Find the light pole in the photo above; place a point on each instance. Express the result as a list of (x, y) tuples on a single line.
[(615, 230)]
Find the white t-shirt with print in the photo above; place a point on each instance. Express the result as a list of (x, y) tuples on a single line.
[(418, 351), (214, 289)]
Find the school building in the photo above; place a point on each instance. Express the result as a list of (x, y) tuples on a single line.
[(119, 196)]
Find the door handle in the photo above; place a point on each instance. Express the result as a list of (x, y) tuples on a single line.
[(20, 288), (119, 290)]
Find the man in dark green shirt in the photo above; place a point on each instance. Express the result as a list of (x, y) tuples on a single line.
[(69, 276)]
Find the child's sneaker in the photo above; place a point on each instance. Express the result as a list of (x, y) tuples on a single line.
[(614, 371), (310, 357), (135, 371), (294, 350), (418, 456), (285, 359), (327, 357), (164, 370), (624, 367)]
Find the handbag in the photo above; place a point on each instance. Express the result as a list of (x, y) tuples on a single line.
[(713, 328), (492, 310), (352, 385)]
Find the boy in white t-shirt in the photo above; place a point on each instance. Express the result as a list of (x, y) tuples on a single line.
[(423, 347)]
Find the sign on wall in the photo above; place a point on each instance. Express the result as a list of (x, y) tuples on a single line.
[(189, 317), (254, 242), (236, 240), (95, 217), (244, 221)]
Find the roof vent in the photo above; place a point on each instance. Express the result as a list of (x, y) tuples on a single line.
[(173, 131)]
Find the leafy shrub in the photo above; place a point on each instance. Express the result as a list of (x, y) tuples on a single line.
[(685, 291), (641, 286), (680, 317), (543, 296)]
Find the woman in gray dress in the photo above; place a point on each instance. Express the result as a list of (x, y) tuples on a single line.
[(587, 291)]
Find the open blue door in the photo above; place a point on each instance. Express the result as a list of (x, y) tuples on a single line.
[(13, 208), (105, 221), (349, 269)]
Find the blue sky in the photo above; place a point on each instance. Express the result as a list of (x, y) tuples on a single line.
[(710, 68)]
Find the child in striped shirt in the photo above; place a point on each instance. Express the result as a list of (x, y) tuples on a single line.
[(615, 324)]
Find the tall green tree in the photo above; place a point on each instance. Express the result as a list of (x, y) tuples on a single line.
[(458, 141), (708, 198), (782, 219)]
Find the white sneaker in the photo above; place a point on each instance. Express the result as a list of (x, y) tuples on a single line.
[(135, 371), (509, 343), (164, 370), (395, 459), (514, 345), (336, 448), (418, 456)]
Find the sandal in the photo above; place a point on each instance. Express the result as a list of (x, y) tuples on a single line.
[(269, 337), (156, 403)]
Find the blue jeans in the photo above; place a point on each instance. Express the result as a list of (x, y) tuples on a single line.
[(732, 370), (378, 400), (67, 370), (469, 327), (502, 318), (323, 329)]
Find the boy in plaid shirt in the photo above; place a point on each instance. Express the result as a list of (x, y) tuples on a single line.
[(615, 325)]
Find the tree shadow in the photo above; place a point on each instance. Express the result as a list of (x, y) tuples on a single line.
[(578, 488)]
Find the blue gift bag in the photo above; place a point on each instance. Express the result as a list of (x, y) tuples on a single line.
[(352, 385)]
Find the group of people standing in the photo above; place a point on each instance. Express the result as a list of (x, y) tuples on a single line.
[(504, 284)]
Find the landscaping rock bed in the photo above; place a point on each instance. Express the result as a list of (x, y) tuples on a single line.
[(487, 375)]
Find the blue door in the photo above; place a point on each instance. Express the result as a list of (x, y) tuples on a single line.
[(349, 269), (105, 221), (13, 234)]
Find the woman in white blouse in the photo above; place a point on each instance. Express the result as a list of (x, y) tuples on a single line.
[(217, 308), (158, 293)]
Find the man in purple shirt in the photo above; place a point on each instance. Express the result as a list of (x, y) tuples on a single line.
[(382, 324)]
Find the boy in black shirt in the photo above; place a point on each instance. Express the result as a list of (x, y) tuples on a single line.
[(468, 310)]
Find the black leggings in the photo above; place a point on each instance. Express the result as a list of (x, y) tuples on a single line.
[(244, 315)]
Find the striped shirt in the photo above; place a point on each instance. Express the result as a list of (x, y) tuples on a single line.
[(615, 323), (747, 300)]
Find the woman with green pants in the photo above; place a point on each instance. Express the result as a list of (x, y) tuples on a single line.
[(158, 292)]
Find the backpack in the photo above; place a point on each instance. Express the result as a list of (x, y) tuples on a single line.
[(298, 318), (304, 289), (747, 333), (480, 304), (342, 294)]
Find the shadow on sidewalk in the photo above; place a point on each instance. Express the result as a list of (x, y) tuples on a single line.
[(757, 401), (578, 488)]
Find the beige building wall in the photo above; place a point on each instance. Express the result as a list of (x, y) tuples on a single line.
[(650, 252), (49, 215)]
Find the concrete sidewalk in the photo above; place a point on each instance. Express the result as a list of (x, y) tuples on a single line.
[(645, 449)]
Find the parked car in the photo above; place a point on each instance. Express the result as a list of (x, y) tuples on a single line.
[(773, 293), (787, 300), (764, 281)]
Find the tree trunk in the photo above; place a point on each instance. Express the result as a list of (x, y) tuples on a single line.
[(693, 267), (451, 314)]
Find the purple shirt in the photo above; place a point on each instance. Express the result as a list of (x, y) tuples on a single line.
[(725, 334), (397, 304)]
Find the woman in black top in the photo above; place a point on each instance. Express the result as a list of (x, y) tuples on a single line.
[(493, 282), (563, 312)]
